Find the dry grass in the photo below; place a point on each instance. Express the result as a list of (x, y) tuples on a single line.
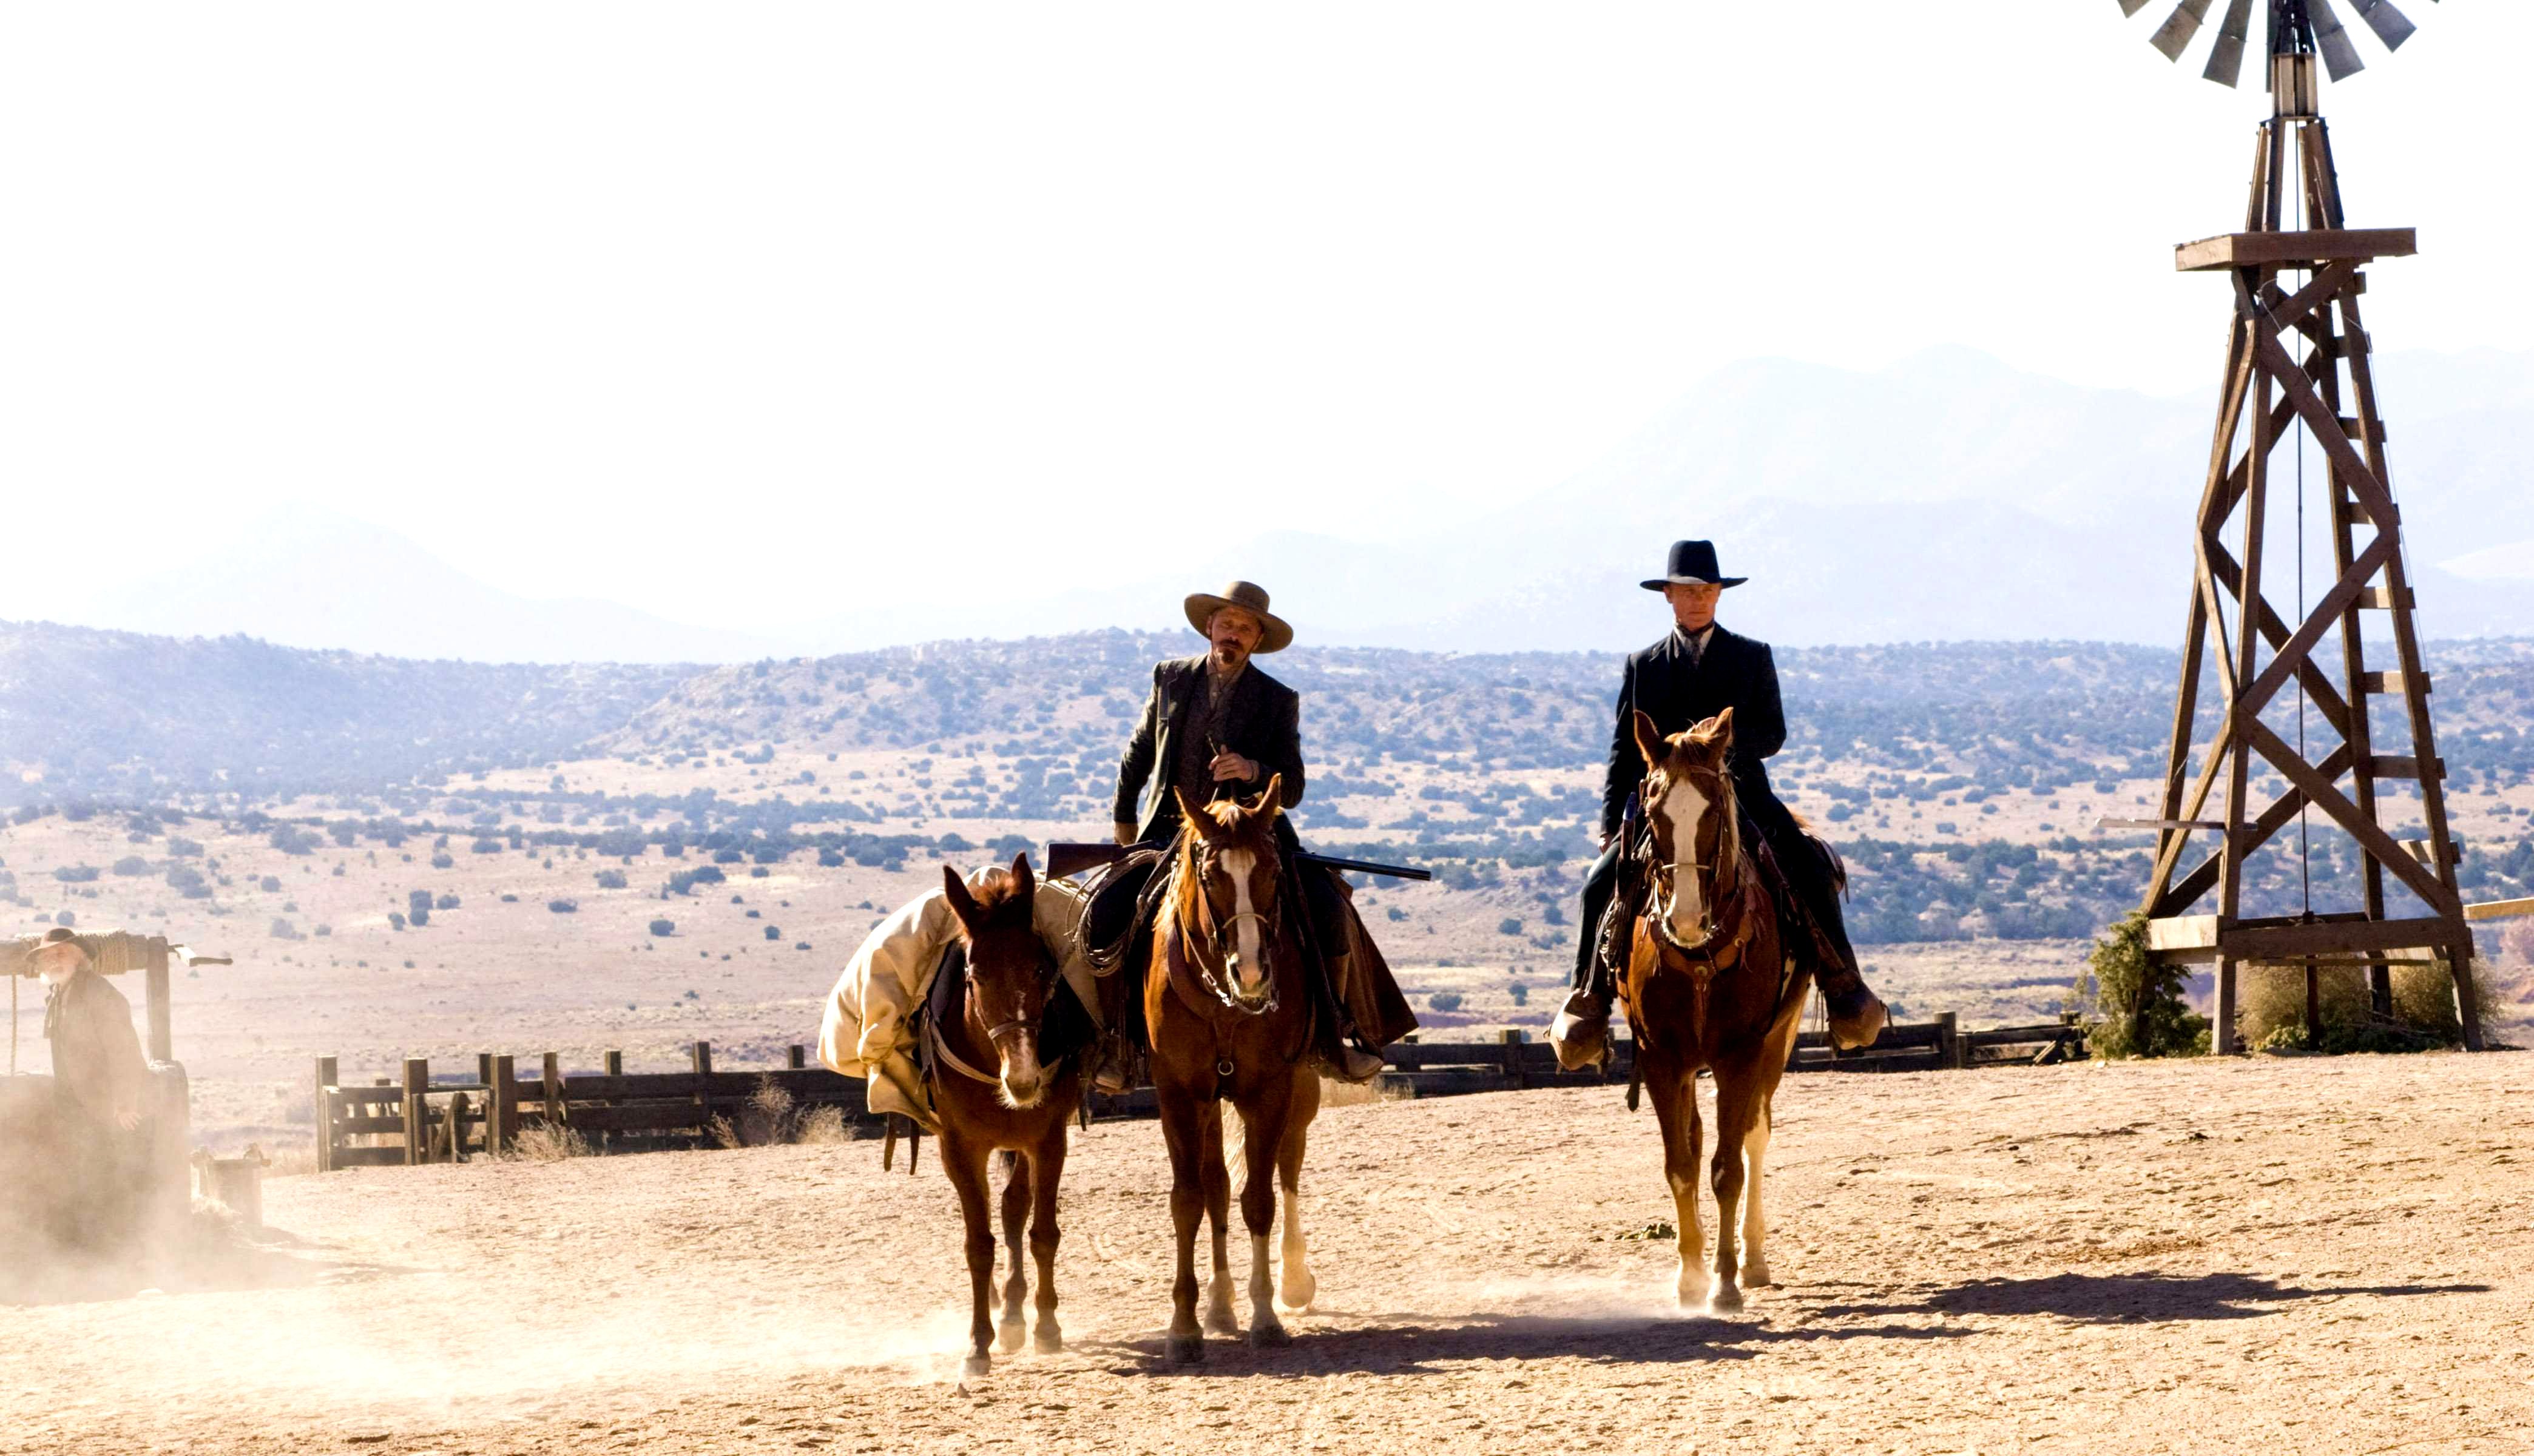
[(823, 1125), (2272, 1008), (544, 1144)]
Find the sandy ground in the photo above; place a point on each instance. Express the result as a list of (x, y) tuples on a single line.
[(2315, 1255)]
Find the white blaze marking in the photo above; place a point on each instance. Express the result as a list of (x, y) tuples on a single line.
[(1684, 806), (1237, 863)]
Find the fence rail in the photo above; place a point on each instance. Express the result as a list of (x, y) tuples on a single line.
[(417, 1118)]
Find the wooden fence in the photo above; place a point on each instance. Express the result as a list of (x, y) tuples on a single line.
[(615, 1111)]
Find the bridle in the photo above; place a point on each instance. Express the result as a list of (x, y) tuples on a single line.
[(1216, 967), (996, 1034), (1724, 876)]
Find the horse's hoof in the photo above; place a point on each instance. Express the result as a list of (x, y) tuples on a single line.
[(1050, 1340), (1298, 1293), (1267, 1334), (1185, 1349), (1724, 1299), (1008, 1338), (976, 1365), (1221, 1322), (1756, 1276)]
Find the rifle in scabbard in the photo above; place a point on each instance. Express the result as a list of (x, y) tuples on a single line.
[(1064, 859)]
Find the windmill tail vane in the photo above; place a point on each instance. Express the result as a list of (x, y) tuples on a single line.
[(2296, 28)]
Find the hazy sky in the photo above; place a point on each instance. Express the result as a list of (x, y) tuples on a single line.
[(739, 312)]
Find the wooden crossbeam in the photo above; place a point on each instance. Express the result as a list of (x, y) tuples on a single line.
[(2357, 826), (2498, 909), (2282, 811), (2315, 245)]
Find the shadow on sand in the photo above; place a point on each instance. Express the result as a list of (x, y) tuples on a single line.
[(2118, 1299), (1406, 1347)]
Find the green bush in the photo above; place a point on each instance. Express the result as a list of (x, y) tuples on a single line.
[(1444, 1000), (2270, 1010), (2137, 1006)]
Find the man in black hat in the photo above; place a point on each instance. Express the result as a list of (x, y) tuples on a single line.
[(1697, 670), (1217, 727)]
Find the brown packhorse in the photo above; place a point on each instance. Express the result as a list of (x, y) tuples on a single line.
[(1708, 986), (991, 1093), (1229, 1016)]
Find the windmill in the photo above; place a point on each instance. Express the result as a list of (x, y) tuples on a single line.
[(2296, 693)]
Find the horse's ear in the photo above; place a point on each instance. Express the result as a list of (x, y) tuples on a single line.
[(1024, 879), (1649, 739), (1720, 733), (1271, 799), (962, 904), (1197, 821)]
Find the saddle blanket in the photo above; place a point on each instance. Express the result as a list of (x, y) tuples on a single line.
[(868, 1028)]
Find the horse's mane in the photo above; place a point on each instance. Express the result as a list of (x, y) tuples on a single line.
[(996, 897)]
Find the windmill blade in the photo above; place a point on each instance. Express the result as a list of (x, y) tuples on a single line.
[(2340, 52), (2226, 58), (2389, 25), (2131, 7), (2175, 34)]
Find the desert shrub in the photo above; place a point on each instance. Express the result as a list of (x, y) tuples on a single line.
[(2270, 1010), (727, 856), (1396, 914), (823, 1125), (563, 907), (442, 861), (130, 864), (1509, 926), (395, 920), (74, 874), (445, 902), (2136, 1004), (543, 1143), (829, 859), (344, 833), (282, 930), (417, 906), (486, 846), (774, 932), (292, 839), (180, 847), (1444, 1000), (664, 927), (1520, 992), (323, 929), (269, 885), (611, 879)]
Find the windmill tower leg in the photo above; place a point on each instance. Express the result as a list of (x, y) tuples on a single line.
[(2296, 328)]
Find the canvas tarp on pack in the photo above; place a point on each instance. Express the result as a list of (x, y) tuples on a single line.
[(868, 1029)]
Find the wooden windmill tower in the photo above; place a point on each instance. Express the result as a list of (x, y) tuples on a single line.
[(2331, 696)]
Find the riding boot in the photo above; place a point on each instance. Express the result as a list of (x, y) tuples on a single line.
[(1857, 1014), (1581, 1032)]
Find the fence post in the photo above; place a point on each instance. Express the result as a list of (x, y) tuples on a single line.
[(484, 1068), (553, 1071), (1512, 1038), (797, 1058), (704, 1096), (417, 1119), (324, 1115), (614, 1062), (501, 1108), (1949, 1041), (162, 1046)]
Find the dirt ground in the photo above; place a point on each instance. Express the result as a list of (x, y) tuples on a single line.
[(2327, 1255)]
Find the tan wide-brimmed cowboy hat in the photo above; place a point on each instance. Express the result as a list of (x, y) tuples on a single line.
[(1275, 636), (59, 943)]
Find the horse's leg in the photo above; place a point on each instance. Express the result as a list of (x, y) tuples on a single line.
[(1676, 1099), (967, 1168), (1755, 1225), (1299, 1287), (1737, 1103), (1016, 1189), (1047, 1168), (1219, 1318), (1263, 1140), (1182, 1114)]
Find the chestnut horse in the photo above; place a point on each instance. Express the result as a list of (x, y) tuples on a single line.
[(1708, 986), (1230, 1018), (1018, 1106)]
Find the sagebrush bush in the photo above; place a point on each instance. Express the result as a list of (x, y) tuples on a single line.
[(2271, 1008), (2135, 1007)]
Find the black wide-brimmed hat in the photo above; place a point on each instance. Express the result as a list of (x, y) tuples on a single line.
[(1692, 563)]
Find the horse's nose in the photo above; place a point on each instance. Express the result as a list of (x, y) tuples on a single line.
[(1024, 1082)]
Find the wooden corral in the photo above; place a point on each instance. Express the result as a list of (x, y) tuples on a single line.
[(614, 1111)]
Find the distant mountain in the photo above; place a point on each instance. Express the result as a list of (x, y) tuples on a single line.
[(305, 576)]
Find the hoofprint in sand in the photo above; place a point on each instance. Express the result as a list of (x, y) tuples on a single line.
[(2310, 1255)]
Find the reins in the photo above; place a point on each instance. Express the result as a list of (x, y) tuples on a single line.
[(1216, 976), (1728, 910)]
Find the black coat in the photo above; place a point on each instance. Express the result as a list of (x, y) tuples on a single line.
[(1262, 723), (1733, 672)]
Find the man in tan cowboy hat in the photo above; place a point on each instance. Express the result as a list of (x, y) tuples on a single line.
[(1217, 727), (100, 1077)]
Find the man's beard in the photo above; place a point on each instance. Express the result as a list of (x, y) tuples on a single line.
[(1230, 658)]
